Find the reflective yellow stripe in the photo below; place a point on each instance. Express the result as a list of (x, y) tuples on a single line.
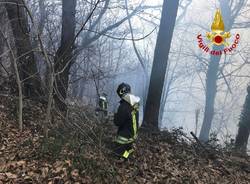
[(134, 123), (125, 154), (131, 151), (123, 140)]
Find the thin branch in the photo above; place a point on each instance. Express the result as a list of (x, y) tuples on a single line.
[(127, 39)]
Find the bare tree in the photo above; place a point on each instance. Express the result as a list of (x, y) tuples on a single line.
[(169, 13), (18, 81), (4, 62), (24, 51), (230, 11), (64, 55), (244, 126)]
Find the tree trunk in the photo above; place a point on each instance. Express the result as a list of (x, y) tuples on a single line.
[(18, 81), (197, 113), (244, 126), (64, 55), (211, 89), (212, 74), (24, 53), (163, 44)]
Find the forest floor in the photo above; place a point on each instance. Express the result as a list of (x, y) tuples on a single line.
[(70, 157)]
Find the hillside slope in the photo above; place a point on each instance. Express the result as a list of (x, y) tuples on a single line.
[(74, 157)]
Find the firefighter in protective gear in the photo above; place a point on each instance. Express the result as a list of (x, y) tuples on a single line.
[(126, 119), (102, 105)]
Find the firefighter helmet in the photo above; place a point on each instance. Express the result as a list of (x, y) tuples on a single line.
[(123, 89)]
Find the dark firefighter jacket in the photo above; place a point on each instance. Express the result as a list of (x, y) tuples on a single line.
[(127, 119)]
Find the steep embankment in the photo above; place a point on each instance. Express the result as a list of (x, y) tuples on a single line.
[(74, 155)]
